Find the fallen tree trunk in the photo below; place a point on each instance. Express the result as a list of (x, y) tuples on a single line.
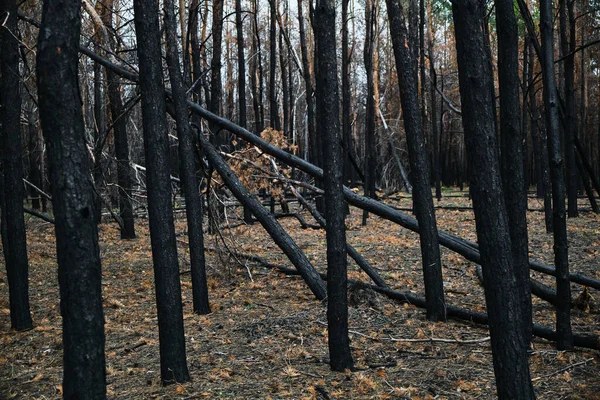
[(266, 219), (468, 250), (586, 341)]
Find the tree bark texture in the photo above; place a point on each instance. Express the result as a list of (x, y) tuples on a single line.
[(513, 159), (173, 365), (328, 124), (406, 68), (559, 222), (15, 251), (509, 347), (187, 165), (79, 269)]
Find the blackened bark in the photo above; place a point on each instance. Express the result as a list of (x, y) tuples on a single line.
[(216, 87), (369, 168), (540, 136), (256, 100), (406, 67), (509, 347), (266, 219), (435, 127), (15, 253), (119, 120), (187, 167), (328, 125), (79, 268), (242, 119), (283, 64), (567, 47), (559, 222), (310, 111), (273, 106), (346, 96), (173, 366), (513, 159)]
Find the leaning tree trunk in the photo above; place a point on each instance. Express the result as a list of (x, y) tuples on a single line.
[(328, 125), (559, 222), (509, 347), (15, 253), (187, 165), (266, 219), (79, 269), (512, 136), (173, 365), (406, 67)]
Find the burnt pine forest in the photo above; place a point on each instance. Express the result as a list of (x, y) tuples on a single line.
[(308, 199)]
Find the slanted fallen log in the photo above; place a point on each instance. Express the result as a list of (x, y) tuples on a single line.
[(266, 219)]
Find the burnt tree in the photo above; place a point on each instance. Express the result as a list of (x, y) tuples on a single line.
[(406, 67), (505, 311), (79, 268), (329, 126), (187, 166), (14, 236), (512, 136), (559, 221), (173, 365)]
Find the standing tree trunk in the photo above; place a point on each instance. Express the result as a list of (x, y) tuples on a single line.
[(187, 166), (369, 167), (406, 67), (346, 96), (310, 111), (567, 47), (216, 87), (79, 268), (173, 365), (15, 251), (540, 137), (36, 154), (512, 136), (559, 222), (509, 349), (273, 106), (328, 125), (119, 121), (435, 128), (242, 119)]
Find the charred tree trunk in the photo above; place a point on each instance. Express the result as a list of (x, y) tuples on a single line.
[(369, 166), (173, 365), (513, 174), (509, 347), (216, 87), (346, 96), (559, 222), (119, 121), (310, 111), (406, 67), (187, 165), (273, 105), (36, 154), (79, 269), (567, 47), (328, 125), (540, 137), (14, 237)]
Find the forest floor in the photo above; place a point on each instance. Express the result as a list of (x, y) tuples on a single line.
[(267, 337)]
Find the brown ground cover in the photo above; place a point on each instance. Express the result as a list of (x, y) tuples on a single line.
[(266, 336)]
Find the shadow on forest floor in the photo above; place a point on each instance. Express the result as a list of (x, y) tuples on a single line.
[(266, 337)]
